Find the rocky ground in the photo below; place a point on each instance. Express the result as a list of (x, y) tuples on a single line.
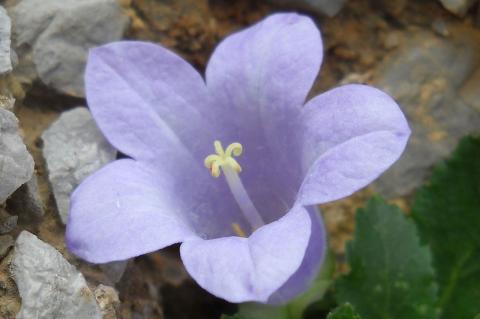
[(424, 53)]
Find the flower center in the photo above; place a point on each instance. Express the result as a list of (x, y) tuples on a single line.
[(223, 161)]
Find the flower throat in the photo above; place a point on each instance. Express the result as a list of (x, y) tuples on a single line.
[(224, 161)]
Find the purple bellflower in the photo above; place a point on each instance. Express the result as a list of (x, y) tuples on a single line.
[(243, 211)]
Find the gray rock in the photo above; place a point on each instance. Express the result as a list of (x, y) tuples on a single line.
[(49, 286), (458, 7), (73, 149), (5, 26), (26, 200), (425, 77), (61, 32), (16, 163), (320, 7)]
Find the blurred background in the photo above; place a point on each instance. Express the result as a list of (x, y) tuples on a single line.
[(426, 54)]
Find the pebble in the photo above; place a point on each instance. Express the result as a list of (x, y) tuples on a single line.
[(16, 163), (426, 76), (5, 28), (47, 27), (73, 148), (49, 286)]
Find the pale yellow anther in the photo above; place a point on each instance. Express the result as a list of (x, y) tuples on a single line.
[(223, 158), (238, 230)]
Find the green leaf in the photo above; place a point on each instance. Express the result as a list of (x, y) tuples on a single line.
[(391, 276), (447, 212), (295, 308), (345, 311)]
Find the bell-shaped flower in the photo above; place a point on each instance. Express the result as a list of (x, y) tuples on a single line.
[(231, 166)]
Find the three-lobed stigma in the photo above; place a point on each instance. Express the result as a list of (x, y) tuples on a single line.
[(223, 158)]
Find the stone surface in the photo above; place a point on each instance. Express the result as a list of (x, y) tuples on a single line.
[(425, 77), (26, 200), (73, 149), (16, 163), (5, 27), (321, 7), (49, 286), (60, 32), (458, 7)]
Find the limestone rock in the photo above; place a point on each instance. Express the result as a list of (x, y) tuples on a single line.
[(60, 32), (5, 26), (425, 77), (16, 163), (49, 286), (73, 149)]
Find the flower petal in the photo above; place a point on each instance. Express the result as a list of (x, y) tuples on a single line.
[(270, 65), (148, 102), (259, 78), (312, 261), (124, 210), (250, 269), (351, 135)]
